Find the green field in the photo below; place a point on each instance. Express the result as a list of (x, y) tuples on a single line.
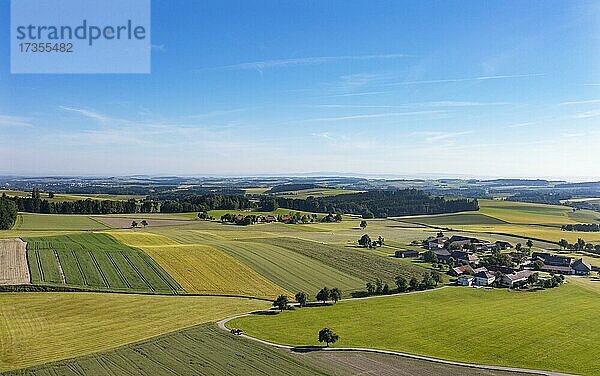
[(28, 221), (465, 218), (201, 350), (291, 270), (97, 262), (362, 264), (202, 268), (207, 351), (554, 329), (36, 328)]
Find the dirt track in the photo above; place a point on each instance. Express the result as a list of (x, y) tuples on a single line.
[(13, 262)]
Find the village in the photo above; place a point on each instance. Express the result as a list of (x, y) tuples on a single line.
[(478, 263)]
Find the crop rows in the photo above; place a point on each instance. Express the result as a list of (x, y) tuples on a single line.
[(95, 261)]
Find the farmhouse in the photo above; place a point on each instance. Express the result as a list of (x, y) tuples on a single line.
[(459, 270), (549, 259), (404, 253), (436, 242), (465, 256), (516, 279), (581, 267), (442, 255), (503, 245), (484, 278), (465, 280)]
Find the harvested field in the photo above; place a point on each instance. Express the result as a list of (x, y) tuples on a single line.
[(123, 222), (37, 328), (13, 262)]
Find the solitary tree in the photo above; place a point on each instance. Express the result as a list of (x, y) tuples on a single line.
[(436, 276), (519, 247), (335, 294), (281, 302), (538, 265), (529, 244), (328, 336), (563, 244), (323, 295), (301, 298), (401, 283), (365, 241), (134, 224), (363, 224), (144, 223)]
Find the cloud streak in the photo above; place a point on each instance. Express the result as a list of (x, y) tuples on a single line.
[(466, 79), (14, 121), (284, 63)]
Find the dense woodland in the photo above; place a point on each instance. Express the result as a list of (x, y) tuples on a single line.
[(381, 204), (204, 203)]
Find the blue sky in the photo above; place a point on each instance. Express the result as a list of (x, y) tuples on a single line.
[(447, 88)]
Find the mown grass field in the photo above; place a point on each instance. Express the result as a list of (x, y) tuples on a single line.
[(361, 264), (203, 269), (555, 329), (95, 261), (207, 351), (62, 222), (36, 328), (291, 270)]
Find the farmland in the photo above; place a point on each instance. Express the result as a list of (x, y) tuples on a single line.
[(204, 350), (97, 262), (28, 221), (58, 197), (291, 270), (358, 263), (457, 324), (203, 269), (38, 328), (13, 262), (316, 192)]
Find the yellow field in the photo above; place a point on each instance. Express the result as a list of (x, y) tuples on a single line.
[(37, 328), (526, 213), (202, 269)]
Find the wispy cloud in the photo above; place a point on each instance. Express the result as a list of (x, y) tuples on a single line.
[(283, 63), (14, 121), (441, 136), (587, 114), (587, 101), (520, 125), (415, 104), (159, 47), (369, 116), (479, 78), (324, 135), (87, 113)]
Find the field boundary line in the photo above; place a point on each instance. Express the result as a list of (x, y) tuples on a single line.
[(222, 325)]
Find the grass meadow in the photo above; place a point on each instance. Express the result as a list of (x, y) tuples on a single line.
[(552, 329)]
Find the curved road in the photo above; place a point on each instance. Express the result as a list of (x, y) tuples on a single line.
[(221, 324)]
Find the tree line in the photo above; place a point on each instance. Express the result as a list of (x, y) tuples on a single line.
[(381, 203), (592, 227)]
